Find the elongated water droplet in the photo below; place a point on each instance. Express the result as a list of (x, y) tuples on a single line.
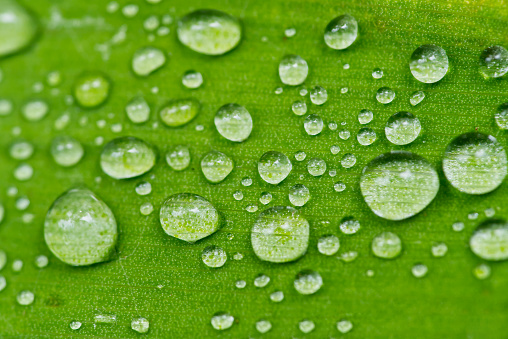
[(313, 124), (385, 95), (216, 166), (127, 157), (273, 167), (308, 282), (341, 32), (494, 62), (318, 95), (490, 240), (316, 167), (222, 321), (105, 318), (91, 89), (214, 256), (209, 31), (192, 79), (416, 98), (147, 60), (66, 151), (398, 185), (233, 122), (280, 234), (386, 245), (293, 70), (299, 195), (179, 112), (366, 136), (80, 229), (75, 325), (402, 128), (189, 217), (140, 325), (475, 163), (179, 158), (429, 63), (328, 244), (138, 110), (18, 27)]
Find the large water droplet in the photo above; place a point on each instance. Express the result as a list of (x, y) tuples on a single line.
[(233, 122), (127, 157), (214, 256), (209, 32), (494, 62), (91, 89), (475, 163), (189, 217), (402, 128), (147, 60), (386, 245), (138, 110), (366, 136), (341, 32), (280, 234), (80, 229), (273, 167), (18, 27), (216, 166), (222, 321), (66, 151), (299, 195), (429, 63), (308, 282), (398, 185), (179, 112), (293, 70), (179, 158), (490, 240)]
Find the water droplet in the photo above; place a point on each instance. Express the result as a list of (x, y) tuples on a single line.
[(490, 240), (138, 110), (41, 261), (290, 32), (494, 62), (369, 273), (377, 73), (475, 163), (344, 326), (308, 282), (17, 265), (299, 107), (429, 63), (233, 122), (25, 298), (23, 172), (189, 217), (22, 203), (306, 326), (293, 70), (416, 97), (216, 166), (458, 226), (3, 259), (91, 89), (179, 112), (35, 110), (300, 156), (402, 128), (332, 125), (263, 326), (341, 32), (398, 185), (146, 208), (246, 181), (140, 325), (265, 198), (482, 271), (127, 157), (240, 284), (279, 90), (130, 10), (277, 296), (18, 27), (280, 234), (348, 160), (344, 134), (21, 150), (419, 270), (6, 107), (365, 116), (489, 212), (349, 225), (261, 281), (339, 186), (75, 325), (238, 256), (222, 321), (66, 151), (179, 158), (147, 60), (318, 95), (313, 124), (143, 188), (273, 167), (192, 79), (238, 195), (80, 229), (105, 318), (299, 195), (316, 167), (473, 216), (385, 95), (151, 23), (334, 149), (439, 250), (209, 32), (501, 116), (386, 245), (214, 256), (251, 208), (366, 136)]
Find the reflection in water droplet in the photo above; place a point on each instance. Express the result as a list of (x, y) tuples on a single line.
[(214, 256), (233, 122), (386, 245), (385, 95), (127, 157), (429, 63), (377, 73), (308, 282), (365, 116), (494, 62), (18, 27), (341, 32), (222, 321), (179, 158), (348, 160), (318, 95), (192, 79), (402, 128), (366, 136), (316, 167), (293, 70), (349, 225), (216, 166), (490, 240), (416, 98), (273, 167), (299, 107)]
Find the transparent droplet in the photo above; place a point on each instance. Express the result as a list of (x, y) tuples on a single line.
[(280, 234), (17, 265), (318, 95), (18, 28), (151, 23), (334, 149), (490, 240), (192, 79), (385, 95), (263, 326), (473, 216), (179, 158), (439, 250), (341, 32), (386, 245), (299, 107), (300, 156), (429, 63), (344, 326), (91, 89), (279, 90), (147, 60), (140, 325), (189, 217), (501, 116), (261, 280), (306, 326), (23, 172), (273, 167), (209, 31), (214, 256), (265, 198), (105, 318), (240, 284), (366, 136), (41, 261), (25, 298), (21, 150), (316, 167), (313, 124), (35, 110), (416, 97), (458, 226), (293, 70), (494, 62), (238, 195), (328, 244), (251, 208), (482, 271), (6, 107), (398, 185), (75, 325), (299, 195), (377, 73), (80, 229), (365, 116), (127, 157), (22, 203), (222, 321), (138, 110), (419, 270), (143, 188), (332, 125), (146, 208), (339, 186), (349, 225), (489, 212), (348, 160), (179, 112), (344, 134), (130, 10), (66, 151), (277, 296), (233, 122), (402, 128), (246, 181), (238, 256), (290, 32), (216, 166), (475, 163)]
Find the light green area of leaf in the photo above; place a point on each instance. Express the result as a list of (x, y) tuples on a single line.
[(448, 303)]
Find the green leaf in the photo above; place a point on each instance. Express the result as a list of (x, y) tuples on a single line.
[(78, 36)]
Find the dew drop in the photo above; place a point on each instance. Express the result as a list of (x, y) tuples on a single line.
[(25, 298), (274, 167), (385, 95), (344, 326), (341, 32), (143, 188), (344, 134), (365, 116), (127, 157), (290, 32), (490, 240), (192, 79), (238, 195), (339, 186), (348, 160), (75, 325), (306, 326), (293, 70), (429, 63), (147, 60), (299, 195), (416, 97), (233, 122), (41, 261), (349, 225), (458, 226), (261, 280), (334, 149), (277, 296), (316, 167), (501, 116), (308, 282), (222, 321), (402, 128), (17, 265), (263, 326), (23, 172), (6, 107), (216, 166), (240, 284), (300, 156), (419, 270), (238, 256), (105, 318), (313, 124), (179, 158), (366, 136), (140, 325), (146, 208), (91, 89), (66, 151), (482, 271), (265, 198), (299, 107), (246, 181), (318, 95), (439, 250), (35, 110), (214, 256), (18, 27), (21, 150), (386, 245), (179, 112), (494, 62), (377, 73), (138, 110)]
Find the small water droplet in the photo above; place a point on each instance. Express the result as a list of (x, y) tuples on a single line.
[(344, 134), (339, 186), (489, 212), (386, 245), (501, 116), (216, 166), (105, 318), (490, 240), (265, 198), (251, 208), (458, 226), (222, 321), (140, 325), (143, 188), (240, 284), (377, 73), (318, 95), (138, 110), (365, 116), (313, 124), (75, 325), (147, 60), (290, 32), (127, 157), (151, 23), (402, 128), (277, 296), (246, 181), (299, 107), (179, 158), (429, 63), (385, 95), (348, 160), (419, 270), (306, 326), (316, 167), (494, 62), (17, 265), (21, 150), (341, 32), (439, 250), (214, 256), (146, 208), (366, 136), (130, 10), (274, 167), (300, 156), (23, 172), (328, 244), (6, 107), (25, 298), (66, 151), (261, 280), (482, 271), (293, 70), (299, 195), (233, 122), (91, 89), (192, 79), (344, 326), (238, 256), (179, 112), (41, 261), (238, 195), (416, 97)]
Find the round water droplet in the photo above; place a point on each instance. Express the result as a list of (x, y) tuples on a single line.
[(386, 245), (419, 270), (35, 110), (494, 62), (238, 195), (341, 32), (209, 31), (138, 110), (179, 158), (490, 240), (75, 325), (6, 107), (80, 229), (316, 167), (214, 256), (334, 149), (344, 134), (377, 73), (222, 321), (349, 225), (240, 284), (147, 60), (306, 326), (398, 185), (189, 217), (348, 160), (482, 271), (293, 70), (366, 136), (318, 95), (91, 89), (273, 167), (299, 195), (263, 326), (328, 245), (21, 150), (416, 98), (261, 280), (179, 112), (216, 166), (143, 188), (344, 326), (365, 116), (233, 122), (475, 163), (458, 226), (66, 151), (339, 186), (280, 234), (313, 124), (192, 79), (25, 298), (265, 198), (277, 296), (127, 157), (385, 95), (146, 208), (402, 128), (246, 181), (140, 325), (439, 250), (23, 172), (18, 27), (429, 63), (299, 107), (300, 156), (501, 116), (41, 261)]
